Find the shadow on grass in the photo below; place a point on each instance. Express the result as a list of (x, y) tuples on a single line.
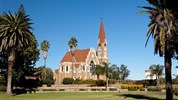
[(138, 96)]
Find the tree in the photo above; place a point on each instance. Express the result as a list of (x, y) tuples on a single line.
[(72, 44), (158, 71), (14, 33), (115, 72), (49, 76), (45, 47), (98, 70), (164, 28), (124, 72), (106, 72)]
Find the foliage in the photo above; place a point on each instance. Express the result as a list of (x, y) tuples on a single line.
[(68, 81), (132, 89), (163, 28), (153, 89), (124, 72), (100, 82), (175, 80), (2, 81), (45, 45), (2, 88), (16, 33), (73, 42), (158, 71), (98, 70), (126, 86), (49, 76)]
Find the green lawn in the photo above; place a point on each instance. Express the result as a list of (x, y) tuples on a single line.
[(88, 96)]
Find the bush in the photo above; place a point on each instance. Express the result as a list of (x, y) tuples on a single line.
[(78, 81), (48, 82), (126, 86), (2, 88), (100, 82), (2, 81), (19, 91), (89, 81), (153, 89), (68, 81), (141, 89), (112, 81), (132, 89)]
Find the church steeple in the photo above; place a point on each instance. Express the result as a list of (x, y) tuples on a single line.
[(102, 49)]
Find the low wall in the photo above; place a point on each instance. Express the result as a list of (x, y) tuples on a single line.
[(76, 88)]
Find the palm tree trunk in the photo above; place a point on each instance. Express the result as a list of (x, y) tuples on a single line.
[(11, 58), (107, 84), (168, 64), (98, 76)]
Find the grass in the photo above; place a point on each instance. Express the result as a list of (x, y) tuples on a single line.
[(131, 95)]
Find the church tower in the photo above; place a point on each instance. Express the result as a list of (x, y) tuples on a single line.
[(102, 48)]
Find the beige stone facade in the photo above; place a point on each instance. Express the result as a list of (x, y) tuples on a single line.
[(80, 65)]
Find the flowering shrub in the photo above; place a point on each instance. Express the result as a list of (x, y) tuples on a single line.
[(127, 86)]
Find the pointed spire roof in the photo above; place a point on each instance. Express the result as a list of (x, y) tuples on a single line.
[(102, 36)]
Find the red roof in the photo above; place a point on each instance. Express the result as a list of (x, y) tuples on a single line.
[(80, 56), (102, 36)]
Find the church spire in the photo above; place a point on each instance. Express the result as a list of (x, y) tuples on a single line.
[(102, 37), (102, 49)]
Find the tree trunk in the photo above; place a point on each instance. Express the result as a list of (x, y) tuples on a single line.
[(98, 76), (107, 84), (11, 58), (168, 64)]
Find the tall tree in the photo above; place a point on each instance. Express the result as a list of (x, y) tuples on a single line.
[(73, 44), (158, 71), (14, 33), (164, 28), (45, 47), (124, 72), (106, 72)]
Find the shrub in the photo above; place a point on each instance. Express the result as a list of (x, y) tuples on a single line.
[(19, 91), (68, 81), (141, 89), (112, 81), (2, 81), (2, 88), (153, 89), (89, 81), (100, 82), (126, 86), (132, 89), (48, 82), (78, 81)]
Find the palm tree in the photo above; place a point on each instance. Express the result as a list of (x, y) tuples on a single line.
[(14, 33), (158, 71), (73, 44), (98, 70), (106, 72), (45, 47), (164, 28)]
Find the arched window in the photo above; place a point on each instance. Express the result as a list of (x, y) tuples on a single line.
[(62, 69), (92, 64), (67, 69)]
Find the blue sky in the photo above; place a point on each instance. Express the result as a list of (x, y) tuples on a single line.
[(58, 20)]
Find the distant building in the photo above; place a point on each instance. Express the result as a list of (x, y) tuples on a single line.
[(149, 76), (84, 61)]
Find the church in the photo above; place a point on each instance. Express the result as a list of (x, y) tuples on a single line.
[(84, 61)]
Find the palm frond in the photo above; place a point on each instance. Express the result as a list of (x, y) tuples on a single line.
[(149, 32)]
